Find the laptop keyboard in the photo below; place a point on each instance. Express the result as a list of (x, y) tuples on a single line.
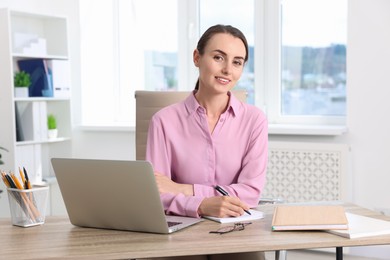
[(172, 223)]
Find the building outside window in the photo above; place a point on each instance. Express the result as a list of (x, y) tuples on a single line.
[(313, 57)]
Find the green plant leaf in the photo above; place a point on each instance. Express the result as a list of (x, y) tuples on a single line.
[(22, 79), (51, 122)]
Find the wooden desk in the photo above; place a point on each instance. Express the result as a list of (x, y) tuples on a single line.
[(57, 238)]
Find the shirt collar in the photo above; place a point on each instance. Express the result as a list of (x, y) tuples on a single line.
[(192, 104)]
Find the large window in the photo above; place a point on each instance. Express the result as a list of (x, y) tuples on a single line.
[(126, 45), (313, 71), (297, 54)]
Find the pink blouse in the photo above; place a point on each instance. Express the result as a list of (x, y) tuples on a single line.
[(234, 156)]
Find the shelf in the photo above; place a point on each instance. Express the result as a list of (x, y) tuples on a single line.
[(35, 99), (34, 36), (319, 130), (54, 140), (27, 29), (29, 56)]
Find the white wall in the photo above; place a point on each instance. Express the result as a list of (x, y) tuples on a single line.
[(368, 73), (104, 144), (368, 104), (368, 91)]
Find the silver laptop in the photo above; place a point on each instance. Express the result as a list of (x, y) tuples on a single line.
[(112, 194)]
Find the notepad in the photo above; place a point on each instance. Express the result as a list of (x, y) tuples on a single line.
[(309, 217), (361, 226), (246, 217)]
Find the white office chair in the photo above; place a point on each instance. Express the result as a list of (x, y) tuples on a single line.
[(149, 102)]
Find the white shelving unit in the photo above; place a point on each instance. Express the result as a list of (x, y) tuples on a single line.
[(34, 152)]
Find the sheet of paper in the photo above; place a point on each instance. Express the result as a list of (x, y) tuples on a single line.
[(361, 226), (246, 217)]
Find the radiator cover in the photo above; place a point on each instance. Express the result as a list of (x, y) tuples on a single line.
[(300, 171)]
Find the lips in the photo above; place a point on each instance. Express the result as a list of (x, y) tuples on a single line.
[(222, 80)]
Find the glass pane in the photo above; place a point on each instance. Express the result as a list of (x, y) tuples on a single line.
[(126, 45), (314, 34), (147, 40), (156, 28), (97, 62), (241, 16)]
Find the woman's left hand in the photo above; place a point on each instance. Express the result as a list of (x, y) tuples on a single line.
[(166, 185)]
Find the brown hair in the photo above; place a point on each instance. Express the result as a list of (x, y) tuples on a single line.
[(219, 28)]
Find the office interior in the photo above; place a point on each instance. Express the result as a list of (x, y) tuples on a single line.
[(367, 124)]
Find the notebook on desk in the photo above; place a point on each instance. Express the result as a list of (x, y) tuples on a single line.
[(113, 194), (309, 217)]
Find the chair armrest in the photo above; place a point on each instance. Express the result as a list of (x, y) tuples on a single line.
[(264, 201)]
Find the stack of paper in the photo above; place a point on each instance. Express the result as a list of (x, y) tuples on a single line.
[(361, 226), (309, 217)]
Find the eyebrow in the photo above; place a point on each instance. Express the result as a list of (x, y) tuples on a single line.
[(225, 54)]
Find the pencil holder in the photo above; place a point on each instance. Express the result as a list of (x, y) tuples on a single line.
[(28, 207)]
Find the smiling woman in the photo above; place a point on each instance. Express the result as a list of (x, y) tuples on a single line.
[(211, 138), (217, 59)]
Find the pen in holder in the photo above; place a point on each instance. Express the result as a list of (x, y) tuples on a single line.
[(28, 206)]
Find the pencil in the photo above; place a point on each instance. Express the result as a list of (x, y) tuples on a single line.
[(5, 180), (28, 184), (28, 201), (18, 197), (23, 178), (10, 181), (16, 181)]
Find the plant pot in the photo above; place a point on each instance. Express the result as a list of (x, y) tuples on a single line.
[(21, 91), (52, 133)]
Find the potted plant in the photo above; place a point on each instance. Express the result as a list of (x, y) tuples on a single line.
[(52, 126), (2, 148), (22, 81)]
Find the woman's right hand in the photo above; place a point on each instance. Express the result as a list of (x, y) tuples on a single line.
[(222, 206)]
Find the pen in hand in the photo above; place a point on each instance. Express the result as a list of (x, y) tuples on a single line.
[(224, 193)]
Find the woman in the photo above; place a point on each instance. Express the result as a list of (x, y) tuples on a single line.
[(211, 138)]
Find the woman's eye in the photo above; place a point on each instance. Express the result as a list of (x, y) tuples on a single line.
[(218, 58), (237, 63)]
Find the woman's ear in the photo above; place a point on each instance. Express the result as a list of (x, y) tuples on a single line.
[(196, 57)]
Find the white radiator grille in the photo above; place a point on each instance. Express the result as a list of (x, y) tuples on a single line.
[(306, 171)]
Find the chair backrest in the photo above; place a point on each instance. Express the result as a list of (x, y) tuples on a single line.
[(149, 102)]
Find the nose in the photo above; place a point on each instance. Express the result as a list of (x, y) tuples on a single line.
[(226, 69)]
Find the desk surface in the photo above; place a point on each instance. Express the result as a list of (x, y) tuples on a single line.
[(57, 238)]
